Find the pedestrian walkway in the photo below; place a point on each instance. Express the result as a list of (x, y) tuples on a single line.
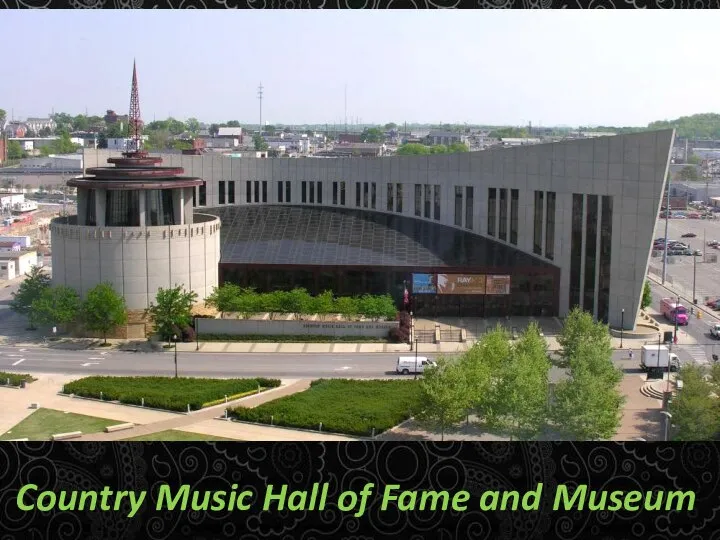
[(698, 353)]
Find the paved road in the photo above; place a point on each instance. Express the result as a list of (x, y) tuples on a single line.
[(295, 366), (699, 330)]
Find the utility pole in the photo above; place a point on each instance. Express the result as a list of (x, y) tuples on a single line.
[(346, 108), (667, 221), (260, 96)]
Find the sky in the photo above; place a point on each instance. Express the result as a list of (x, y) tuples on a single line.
[(503, 67)]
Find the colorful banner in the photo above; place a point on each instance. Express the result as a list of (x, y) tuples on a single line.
[(497, 285), (460, 284), (423, 284)]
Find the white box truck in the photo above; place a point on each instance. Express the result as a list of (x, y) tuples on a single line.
[(412, 364), (658, 356)]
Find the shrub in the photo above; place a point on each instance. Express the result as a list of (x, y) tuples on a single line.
[(15, 378), (188, 334), (164, 392), (399, 335), (354, 407)]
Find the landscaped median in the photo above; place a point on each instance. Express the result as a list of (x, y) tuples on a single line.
[(353, 407), (171, 394), (15, 379)]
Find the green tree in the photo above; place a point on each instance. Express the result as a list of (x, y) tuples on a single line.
[(103, 309), (324, 303), (347, 307), (181, 145), (269, 129), (55, 306), (522, 388), (63, 121), (688, 173), (80, 123), (61, 145), (695, 410), (588, 405), (694, 159), (115, 131), (213, 129), (373, 135), (175, 127), (647, 295), (35, 282), (193, 125), (15, 150), (3, 117), (260, 144), (225, 298), (390, 126), (444, 394), (157, 139), (171, 310), (578, 327), (232, 123), (456, 148), (491, 354), (45, 132), (413, 149)]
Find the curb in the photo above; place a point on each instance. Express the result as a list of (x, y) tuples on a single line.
[(299, 430)]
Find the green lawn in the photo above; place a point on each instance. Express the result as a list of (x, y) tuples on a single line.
[(353, 407), (43, 423), (177, 435)]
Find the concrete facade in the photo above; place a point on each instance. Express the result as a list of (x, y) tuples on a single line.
[(137, 261), (239, 327), (630, 169)]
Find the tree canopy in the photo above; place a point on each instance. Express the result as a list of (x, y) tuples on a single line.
[(104, 309), (172, 311), (373, 135), (30, 289), (55, 305), (414, 149), (696, 409)]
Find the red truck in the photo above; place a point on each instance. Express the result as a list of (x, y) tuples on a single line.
[(674, 312)]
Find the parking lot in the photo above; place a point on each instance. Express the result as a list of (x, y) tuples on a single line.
[(680, 268)]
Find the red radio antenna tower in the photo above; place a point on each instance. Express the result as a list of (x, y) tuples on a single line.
[(134, 121)]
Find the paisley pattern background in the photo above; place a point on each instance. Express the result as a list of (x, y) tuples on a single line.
[(360, 4), (349, 466)]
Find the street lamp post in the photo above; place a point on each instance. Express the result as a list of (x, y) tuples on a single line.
[(668, 419), (622, 326), (694, 276), (416, 358), (676, 321), (175, 340)]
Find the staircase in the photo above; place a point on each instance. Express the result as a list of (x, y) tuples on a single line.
[(656, 389)]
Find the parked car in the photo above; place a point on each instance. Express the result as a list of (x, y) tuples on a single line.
[(689, 235), (698, 252), (711, 302), (715, 331)]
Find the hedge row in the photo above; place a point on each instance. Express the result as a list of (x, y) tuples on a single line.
[(165, 392), (353, 407), (304, 338), (231, 298), (15, 378)]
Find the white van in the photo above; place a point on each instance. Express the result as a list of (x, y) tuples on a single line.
[(412, 364)]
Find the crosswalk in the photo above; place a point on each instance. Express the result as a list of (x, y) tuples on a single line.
[(698, 353)]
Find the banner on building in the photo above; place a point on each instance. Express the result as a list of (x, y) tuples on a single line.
[(423, 284), (497, 285), (460, 283)]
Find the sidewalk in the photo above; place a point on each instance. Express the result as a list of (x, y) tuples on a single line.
[(15, 406)]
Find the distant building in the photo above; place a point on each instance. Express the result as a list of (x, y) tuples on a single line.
[(111, 117), (355, 150), (230, 132), (446, 137), (30, 144), (15, 129), (10, 246), (16, 263), (3, 148), (519, 141), (38, 124), (350, 138)]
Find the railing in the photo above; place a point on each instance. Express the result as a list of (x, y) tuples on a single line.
[(425, 336), (451, 335)]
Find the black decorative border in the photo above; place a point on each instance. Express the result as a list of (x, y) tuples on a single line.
[(360, 4), (474, 467)]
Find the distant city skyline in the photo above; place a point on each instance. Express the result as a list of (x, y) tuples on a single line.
[(551, 68)]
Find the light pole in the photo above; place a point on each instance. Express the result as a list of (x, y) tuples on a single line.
[(197, 337), (694, 275), (667, 220), (676, 320), (175, 340), (622, 326), (668, 418), (416, 358)]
